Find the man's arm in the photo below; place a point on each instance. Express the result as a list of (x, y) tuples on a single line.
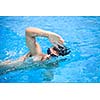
[(33, 32), (53, 37), (21, 59)]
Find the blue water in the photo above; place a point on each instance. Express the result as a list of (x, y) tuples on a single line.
[(81, 35)]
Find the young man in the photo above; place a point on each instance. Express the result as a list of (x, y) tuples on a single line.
[(35, 50)]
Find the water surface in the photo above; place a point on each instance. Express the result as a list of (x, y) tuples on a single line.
[(81, 35)]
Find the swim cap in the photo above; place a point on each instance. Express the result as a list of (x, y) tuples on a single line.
[(63, 50)]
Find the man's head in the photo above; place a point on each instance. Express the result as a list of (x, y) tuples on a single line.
[(58, 51)]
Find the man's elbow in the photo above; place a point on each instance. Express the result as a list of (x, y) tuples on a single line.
[(28, 29), (31, 30)]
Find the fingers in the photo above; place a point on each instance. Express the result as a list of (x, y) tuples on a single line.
[(62, 41)]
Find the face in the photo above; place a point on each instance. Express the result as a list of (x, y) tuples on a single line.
[(54, 52)]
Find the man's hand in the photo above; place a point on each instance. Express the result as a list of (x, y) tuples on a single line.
[(55, 39)]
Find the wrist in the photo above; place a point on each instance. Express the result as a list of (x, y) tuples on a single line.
[(48, 33)]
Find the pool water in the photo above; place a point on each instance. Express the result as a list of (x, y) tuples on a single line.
[(81, 35)]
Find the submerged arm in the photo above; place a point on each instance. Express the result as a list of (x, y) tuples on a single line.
[(23, 58)]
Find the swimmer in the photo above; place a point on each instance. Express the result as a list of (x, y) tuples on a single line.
[(58, 49)]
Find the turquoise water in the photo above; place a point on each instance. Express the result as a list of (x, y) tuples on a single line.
[(81, 35)]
